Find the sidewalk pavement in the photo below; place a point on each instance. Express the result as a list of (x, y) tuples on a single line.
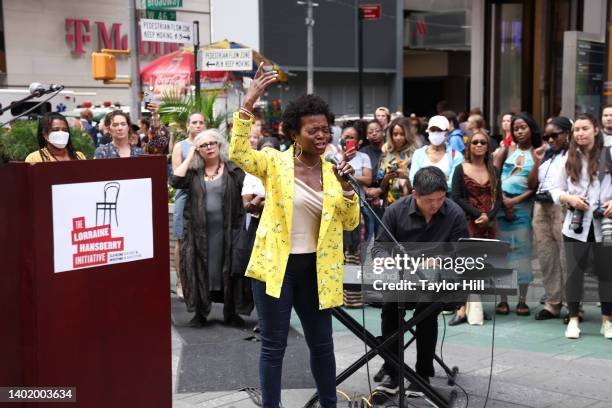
[(534, 365)]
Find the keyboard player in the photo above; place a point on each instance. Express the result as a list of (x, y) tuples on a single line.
[(425, 216)]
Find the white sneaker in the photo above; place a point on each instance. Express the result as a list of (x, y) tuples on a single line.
[(572, 331), (606, 329)]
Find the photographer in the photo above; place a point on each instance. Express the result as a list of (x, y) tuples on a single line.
[(548, 217), (584, 185)]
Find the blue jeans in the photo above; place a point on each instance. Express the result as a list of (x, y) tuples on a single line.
[(299, 290)]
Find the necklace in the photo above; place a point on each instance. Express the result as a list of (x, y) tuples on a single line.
[(307, 166), (52, 154), (209, 178)]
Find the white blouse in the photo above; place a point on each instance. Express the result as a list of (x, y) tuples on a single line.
[(596, 193)]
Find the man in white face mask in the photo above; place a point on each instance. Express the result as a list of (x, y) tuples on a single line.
[(439, 153)]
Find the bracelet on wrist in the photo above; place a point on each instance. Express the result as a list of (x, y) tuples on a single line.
[(348, 193), (246, 112)]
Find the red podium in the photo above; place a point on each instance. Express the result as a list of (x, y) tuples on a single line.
[(84, 284)]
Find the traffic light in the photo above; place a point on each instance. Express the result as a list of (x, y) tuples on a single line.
[(103, 66)]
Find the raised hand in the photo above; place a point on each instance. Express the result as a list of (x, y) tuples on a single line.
[(258, 85), (539, 152)]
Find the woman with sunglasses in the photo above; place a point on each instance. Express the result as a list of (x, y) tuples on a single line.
[(477, 189), (212, 220), (548, 217)]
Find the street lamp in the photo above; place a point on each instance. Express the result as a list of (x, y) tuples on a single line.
[(309, 43)]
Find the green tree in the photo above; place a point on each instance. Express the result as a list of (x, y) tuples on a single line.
[(176, 107)]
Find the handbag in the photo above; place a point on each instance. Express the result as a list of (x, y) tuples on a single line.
[(474, 311)]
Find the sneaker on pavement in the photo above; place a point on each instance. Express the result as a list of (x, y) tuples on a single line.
[(389, 385), (378, 377), (572, 331), (606, 329)]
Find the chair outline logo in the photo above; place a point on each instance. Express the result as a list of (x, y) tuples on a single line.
[(109, 205)]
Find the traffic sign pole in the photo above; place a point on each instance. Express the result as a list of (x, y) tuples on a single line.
[(134, 64), (364, 12), (360, 58), (196, 48)]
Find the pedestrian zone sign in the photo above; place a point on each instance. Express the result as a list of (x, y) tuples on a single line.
[(227, 59), (166, 31)]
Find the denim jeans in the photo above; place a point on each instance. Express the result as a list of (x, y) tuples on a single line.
[(299, 291)]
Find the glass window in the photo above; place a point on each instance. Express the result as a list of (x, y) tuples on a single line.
[(509, 58), (607, 94)]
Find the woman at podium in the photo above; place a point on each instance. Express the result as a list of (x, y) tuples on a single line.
[(212, 220), (297, 259), (53, 141)]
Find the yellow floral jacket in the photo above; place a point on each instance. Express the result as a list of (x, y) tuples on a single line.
[(273, 239)]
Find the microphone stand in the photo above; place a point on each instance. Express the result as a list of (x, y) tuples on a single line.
[(19, 102), (401, 307)]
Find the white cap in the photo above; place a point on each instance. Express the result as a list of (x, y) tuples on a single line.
[(440, 122)]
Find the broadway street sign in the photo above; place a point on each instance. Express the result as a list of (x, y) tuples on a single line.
[(162, 4)]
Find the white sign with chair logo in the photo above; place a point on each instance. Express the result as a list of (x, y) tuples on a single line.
[(101, 223)]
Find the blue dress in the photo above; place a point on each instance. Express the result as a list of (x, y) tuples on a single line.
[(518, 232)]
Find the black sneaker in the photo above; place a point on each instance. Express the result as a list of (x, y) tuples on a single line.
[(197, 321), (389, 385), (378, 377)]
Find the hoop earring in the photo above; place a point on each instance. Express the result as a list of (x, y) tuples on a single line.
[(295, 149)]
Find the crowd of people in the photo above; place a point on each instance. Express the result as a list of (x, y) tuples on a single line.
[(267, 207)]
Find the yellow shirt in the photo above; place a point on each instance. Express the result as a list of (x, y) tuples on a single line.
[(273, 238), (43, 155)]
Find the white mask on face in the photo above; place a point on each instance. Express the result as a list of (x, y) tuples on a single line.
[(59, 138), (437, 138)]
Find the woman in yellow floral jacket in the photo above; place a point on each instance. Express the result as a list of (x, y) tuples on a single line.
[(297, 258)]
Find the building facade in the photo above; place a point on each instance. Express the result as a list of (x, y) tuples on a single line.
[(498, 55), (51, 41)]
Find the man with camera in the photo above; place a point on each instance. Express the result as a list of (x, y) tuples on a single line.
[(548, 217)]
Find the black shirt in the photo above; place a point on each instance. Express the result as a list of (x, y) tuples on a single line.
[(374, 156), (407, 224)]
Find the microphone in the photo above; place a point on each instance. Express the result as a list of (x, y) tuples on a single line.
[(349, 178), (36, 88)]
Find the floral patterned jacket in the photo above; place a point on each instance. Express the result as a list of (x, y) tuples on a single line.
[(273, 238)]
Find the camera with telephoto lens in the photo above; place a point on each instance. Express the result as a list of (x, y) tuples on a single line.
[(576, 221), (606, 224), (543, 197)]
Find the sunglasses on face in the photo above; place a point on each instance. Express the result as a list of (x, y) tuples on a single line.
[(479, 142), (552, 136), (207, 145)]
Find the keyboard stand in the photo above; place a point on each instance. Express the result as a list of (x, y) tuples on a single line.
[(378, 347)]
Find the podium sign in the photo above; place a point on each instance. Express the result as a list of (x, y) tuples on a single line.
[(102, 329), (87, 230)]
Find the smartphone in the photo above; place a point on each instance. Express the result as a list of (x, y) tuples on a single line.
[(351, 145), (148, 96)]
